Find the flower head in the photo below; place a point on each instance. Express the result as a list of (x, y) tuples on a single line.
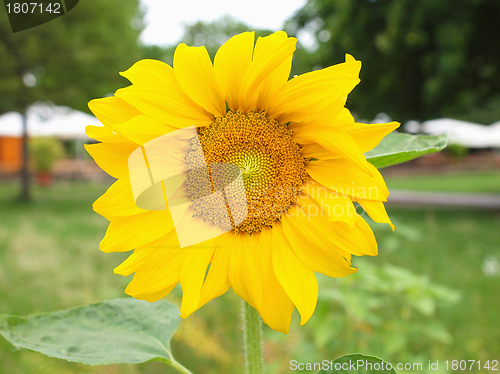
[(234, 168)]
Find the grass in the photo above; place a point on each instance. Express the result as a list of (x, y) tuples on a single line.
[(49, 260), (458, 249), (476, 182)]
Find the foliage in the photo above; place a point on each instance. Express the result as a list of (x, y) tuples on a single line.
[(457, 150), (44, 152), (397, 148), (454, 249), (422, 58), (387, 311), (71, 59), (127, 330)]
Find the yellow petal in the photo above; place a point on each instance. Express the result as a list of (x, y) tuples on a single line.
[(319, 116), (337, 142), (142, 129), (231, 63), (331, 204), (195, 73), (104, 134), (151, 297), (271, 52), (157, 82), (118, 201), (245, 270), (112, 157), (315, 91), (192, 276), (315, 245), (157, 269), (317, 152), (217, 280), (349, 58), (358, 240), (112, 110), (171, 107), (298, 281), (279, 76), (376, 211), (166, 246), (150, 73), (193, 229), (341, 176), (367, 136), (271, 85), (127, 233), (277, 307)]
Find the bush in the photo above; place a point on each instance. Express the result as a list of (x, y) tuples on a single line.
[(44, 153), (457, 150)]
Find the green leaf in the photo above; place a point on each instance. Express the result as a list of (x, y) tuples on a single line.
[(396, 148), (359, 364), (111, 332)]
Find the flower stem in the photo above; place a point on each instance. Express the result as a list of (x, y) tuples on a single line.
[(252, 339)]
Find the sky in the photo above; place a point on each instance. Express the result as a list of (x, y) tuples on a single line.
[(164, 18)]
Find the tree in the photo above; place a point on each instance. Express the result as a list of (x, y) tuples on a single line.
[(69, 60), (422, 58)]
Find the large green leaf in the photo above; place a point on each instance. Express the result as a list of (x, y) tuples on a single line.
[(396, 148), (359, 364), (111, 332)]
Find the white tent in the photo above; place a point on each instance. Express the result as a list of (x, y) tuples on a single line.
[(468, 134), (10, 124), (48, 120), (495, 129)]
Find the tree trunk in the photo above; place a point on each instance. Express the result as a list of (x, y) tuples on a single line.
[(22, 103), (25, 173)]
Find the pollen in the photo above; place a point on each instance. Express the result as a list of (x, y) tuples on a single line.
[(263, 151)]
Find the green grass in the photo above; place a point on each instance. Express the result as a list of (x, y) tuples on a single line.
[(49, 260), (474, 182), (454, 247)]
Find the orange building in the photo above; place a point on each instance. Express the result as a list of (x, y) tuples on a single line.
[(10, 154)]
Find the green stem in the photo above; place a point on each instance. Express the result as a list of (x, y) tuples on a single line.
[(175, 365), (253, 340)]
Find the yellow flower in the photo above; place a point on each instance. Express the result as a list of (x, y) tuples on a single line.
[(298, 167)]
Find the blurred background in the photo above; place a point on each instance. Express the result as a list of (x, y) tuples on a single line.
[(434, 65)]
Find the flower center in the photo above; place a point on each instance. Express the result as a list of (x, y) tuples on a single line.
[(270, 162)]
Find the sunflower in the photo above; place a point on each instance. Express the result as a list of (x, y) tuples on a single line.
[(267, 171)]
